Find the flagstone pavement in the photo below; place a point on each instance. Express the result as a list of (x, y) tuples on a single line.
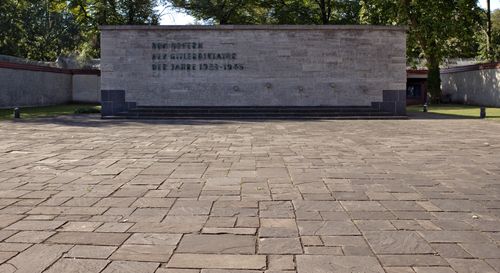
[(80, 194)]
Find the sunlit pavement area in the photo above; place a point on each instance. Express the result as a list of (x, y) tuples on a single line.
[(80, 194)]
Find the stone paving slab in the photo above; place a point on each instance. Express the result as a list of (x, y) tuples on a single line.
[(80, 194)]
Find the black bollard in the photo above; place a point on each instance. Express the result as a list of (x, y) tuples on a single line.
[(482, 113), (17, 112), (424, 109)]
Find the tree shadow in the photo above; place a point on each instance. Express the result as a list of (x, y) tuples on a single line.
[(96, 121), (477, 87), (428, 115)]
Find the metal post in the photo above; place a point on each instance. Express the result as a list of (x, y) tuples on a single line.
[(17, 112), (425, 108), (482, 113)]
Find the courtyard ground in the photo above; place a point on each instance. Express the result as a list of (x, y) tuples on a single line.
[(80, 194)]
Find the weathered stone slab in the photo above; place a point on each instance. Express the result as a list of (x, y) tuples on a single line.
[(154, 239), (482, 250), (87, 251), (278, 228), (220, 244), (8, 219), (131, 267), (77, 266), (188, 207), (362, 206), (453, 236), (337, 264), (30, 236), (397, 242), (280, 246), (89, 238), (217, 261), (240, 231), (143, 253), (4, 256), (327, 228), (412, 260), (172, 224), (470, 266), (38, 258), (434, 269), (304, 205), (35, 225), (450, 250), (276, 209)]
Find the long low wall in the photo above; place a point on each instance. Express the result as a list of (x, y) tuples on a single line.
[(23, 85), (475, 84), (225, 66)]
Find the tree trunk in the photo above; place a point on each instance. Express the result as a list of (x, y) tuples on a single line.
[(490, 51), (433, 79)]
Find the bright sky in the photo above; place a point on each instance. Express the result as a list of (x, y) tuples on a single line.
[(174, 17)]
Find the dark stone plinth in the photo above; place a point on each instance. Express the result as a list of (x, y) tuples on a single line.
[(113, 103), (394, 101)]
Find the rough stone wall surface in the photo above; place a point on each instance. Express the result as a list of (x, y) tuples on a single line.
[(33, 88), (86, 88), (256, 65), (478, 87)]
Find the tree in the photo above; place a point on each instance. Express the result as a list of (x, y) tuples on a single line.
[(11, 30), (490, 41), (223, 11), (437, 30), (319, 12), (495, 35), (45, 29), (38, 29)]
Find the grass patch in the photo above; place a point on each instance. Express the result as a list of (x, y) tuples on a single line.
[(50, 111), (466, 111)]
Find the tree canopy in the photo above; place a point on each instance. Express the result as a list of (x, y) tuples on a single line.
[(46, 29), (437, 29)]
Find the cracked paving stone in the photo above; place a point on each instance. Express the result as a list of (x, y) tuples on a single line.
[(397, 242), (172, 224), (153, 239)]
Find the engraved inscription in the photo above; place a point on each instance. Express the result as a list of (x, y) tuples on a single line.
[(191, 56)]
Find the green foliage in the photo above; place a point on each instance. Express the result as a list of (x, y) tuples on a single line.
[(37, 29), (46, 29), (438, 29), (495, 35), (495, 38), (272, 11), (222, 11)]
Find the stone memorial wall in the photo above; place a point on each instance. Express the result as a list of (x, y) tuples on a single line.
[(227, 66)]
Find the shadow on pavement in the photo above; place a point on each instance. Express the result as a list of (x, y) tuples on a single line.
[(95, 120)]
